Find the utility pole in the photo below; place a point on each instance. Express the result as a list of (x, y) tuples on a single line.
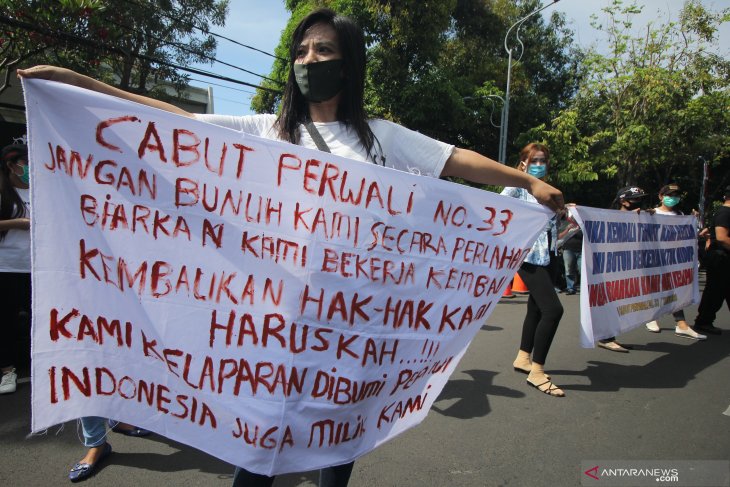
[(505, 108)]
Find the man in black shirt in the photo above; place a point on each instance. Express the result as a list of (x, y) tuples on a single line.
[(717, 265)]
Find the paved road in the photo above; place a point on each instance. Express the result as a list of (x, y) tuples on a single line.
[(663, 401)]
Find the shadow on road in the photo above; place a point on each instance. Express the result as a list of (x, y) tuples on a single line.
[(673, 370), (184, 457), (473, 395)]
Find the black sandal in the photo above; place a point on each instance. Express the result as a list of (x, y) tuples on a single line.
[(549, 390)]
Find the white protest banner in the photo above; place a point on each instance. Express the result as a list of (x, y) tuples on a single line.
[(281, 308), (635, 268)]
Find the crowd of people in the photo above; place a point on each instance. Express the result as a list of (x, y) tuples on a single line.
[(322, 107)]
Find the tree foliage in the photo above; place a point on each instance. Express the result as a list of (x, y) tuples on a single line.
[(433, 65), (649, 109), (133, 44)]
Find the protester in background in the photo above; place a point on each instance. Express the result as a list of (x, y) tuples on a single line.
[(669, 197), (631, 198), (94, 431), (543, 307), (717, 268), (571, 242), (322, 107), (14, 255)]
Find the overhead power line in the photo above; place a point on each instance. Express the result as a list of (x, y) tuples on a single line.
[(88, 42), (237, 102), (244, 45), (206, 31), (223, 86), (190, 51)]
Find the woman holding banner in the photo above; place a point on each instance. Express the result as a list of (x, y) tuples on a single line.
[(669, 197), (323, 107), (326, 87), (543, 307)]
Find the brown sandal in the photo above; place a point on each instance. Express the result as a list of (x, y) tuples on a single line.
[(550, 390)]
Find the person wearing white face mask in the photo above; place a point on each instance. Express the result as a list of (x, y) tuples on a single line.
[(544, 310), (670, 197)]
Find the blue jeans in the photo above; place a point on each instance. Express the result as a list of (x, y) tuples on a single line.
[(94, 430), (571, 259)]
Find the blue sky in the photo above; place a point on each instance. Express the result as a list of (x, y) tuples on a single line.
[(259, 24)]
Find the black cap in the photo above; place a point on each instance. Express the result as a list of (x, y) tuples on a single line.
[(13, 152), (669, 188), (630, 192)]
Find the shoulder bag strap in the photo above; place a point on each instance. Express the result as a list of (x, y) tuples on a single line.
[(316, 137)]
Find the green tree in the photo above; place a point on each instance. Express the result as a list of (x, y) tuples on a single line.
[(648, 109), (431, 65), (132, 44), (29, 33)]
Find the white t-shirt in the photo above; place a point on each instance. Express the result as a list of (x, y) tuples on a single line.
[(659, 211), (404, 149), (15, 248)]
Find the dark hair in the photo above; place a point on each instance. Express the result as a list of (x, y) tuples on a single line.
[(669, 188), (11, 205), (351, 111)]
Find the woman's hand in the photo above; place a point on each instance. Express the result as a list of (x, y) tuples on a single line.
[(547, 195)]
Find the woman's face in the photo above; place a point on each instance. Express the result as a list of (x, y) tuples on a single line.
[(536, 165), (670, 199), (319, 44)]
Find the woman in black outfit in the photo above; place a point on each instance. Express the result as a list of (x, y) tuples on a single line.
[(543, 307)]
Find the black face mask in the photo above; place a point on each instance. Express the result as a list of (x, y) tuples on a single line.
[(319, 81), (632, 205)]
